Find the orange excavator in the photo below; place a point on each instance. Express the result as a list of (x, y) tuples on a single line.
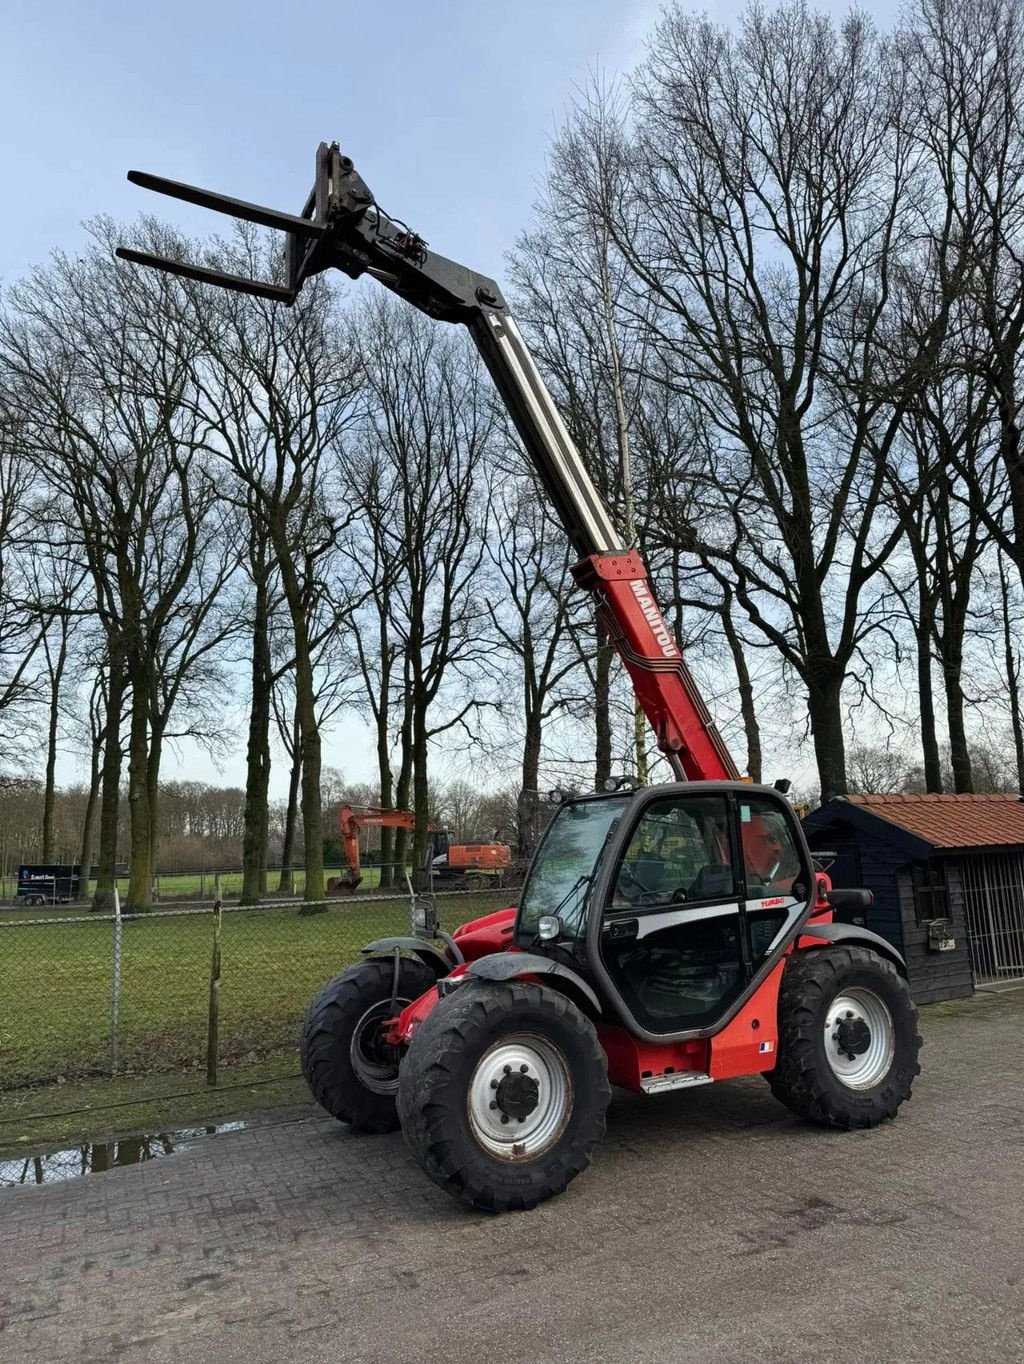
[(468, 862)]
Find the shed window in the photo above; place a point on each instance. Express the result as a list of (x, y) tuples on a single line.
[(931, 894)]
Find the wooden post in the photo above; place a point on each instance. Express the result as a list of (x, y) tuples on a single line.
[(213, 1023), (115, 986)]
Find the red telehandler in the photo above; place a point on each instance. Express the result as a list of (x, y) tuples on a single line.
[(666, 937)]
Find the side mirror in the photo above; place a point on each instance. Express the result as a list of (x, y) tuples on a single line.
[(850, 899)]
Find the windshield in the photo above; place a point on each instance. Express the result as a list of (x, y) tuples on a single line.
[(563, 873)]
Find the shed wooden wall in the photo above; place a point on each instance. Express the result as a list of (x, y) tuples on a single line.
[(884, 869), (936, 975), (878, 866)]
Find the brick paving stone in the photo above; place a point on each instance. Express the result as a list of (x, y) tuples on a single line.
[(713, 1226)]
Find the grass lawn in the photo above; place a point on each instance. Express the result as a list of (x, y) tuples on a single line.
[(55, 985)]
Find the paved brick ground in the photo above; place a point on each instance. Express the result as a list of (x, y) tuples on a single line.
[(713, 1227)]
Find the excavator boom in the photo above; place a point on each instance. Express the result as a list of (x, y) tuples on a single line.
[(342, 227)]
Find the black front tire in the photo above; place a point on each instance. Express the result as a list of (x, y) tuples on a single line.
[(349, 1071), (814, 1076), (444, 1118)]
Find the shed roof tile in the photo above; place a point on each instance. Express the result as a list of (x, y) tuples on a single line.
[(953, 821)]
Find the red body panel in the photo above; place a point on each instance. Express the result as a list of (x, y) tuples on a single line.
[(630, 1060), (749, 1043), (481, 937)]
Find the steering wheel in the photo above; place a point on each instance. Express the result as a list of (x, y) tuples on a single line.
[(636, 887)]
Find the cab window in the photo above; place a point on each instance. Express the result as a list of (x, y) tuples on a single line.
[(679, 854), (772, 867), (771, 859)]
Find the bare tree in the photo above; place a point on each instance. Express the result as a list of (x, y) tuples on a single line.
[(55, 583), (568, 279), (333, 671), (426, 424), (760, 201), (968, 63), (97, 356), (272, 388), (21, 630), (533, 615)]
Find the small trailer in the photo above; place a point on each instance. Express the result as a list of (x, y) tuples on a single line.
[(52, 883)]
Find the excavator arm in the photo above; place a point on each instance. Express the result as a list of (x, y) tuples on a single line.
[(342, 227), (352, 818)]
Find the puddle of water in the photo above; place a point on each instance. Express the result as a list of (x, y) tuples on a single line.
[(92, 1157)]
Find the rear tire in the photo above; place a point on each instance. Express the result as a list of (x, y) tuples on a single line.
[(350, 1071), (848, 1039), (502, 1094)]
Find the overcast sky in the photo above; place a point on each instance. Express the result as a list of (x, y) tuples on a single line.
[(447, 109)]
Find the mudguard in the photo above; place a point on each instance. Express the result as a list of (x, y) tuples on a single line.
[(509, 965), (851, 933), (429, 953)]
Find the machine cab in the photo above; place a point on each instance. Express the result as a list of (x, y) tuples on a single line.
[(673, 901)]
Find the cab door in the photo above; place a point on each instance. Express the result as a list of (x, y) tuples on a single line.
[(695, 903)]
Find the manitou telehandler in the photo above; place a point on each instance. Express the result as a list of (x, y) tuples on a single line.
[(665, 937)]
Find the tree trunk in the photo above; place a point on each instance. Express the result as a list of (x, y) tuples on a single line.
[(257, 779), (602, 707), (1013, 675), (640, 743), (527, 832), (286, 884), (825, 710), (1010, 453), (111, 794), (308, 734), (751, 729), (312, 814), (960, 757), (156, 749), (89, 822), (140, 866), (924, 630), (420, 792), (51, 744), (387, 870), (1012, 680), (403, 790)]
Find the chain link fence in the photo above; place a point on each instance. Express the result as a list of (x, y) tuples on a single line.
[(85, 995), (171, 888)]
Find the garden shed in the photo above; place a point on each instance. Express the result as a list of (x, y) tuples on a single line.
[(947, 873)]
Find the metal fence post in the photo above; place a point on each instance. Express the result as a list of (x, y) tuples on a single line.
[(213, 1017), (115, 988)]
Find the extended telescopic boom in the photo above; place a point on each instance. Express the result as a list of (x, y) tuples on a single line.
[(341, 227)]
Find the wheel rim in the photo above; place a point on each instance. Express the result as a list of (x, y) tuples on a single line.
[(374, 1061), (860, 1039), (520, 1098)]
